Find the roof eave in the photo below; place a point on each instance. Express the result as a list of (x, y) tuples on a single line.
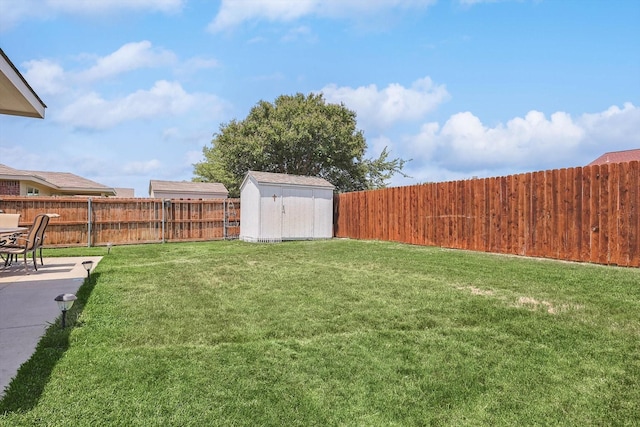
[(30, 178), (17, 97), (85, 190)]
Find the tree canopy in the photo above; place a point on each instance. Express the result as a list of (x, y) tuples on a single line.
[(299, 135)]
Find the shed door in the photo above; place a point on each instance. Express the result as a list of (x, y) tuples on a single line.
[(271, 213), (297, 213)]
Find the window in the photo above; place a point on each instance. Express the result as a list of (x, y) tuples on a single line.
[(31, 191)]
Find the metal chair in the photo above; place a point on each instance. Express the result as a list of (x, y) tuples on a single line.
[(9, 221), (30, 243)]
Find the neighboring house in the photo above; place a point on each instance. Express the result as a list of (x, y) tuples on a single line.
[(617, 157), (125, 193), (14, 182), (187, 190), (17, 98), (276, 207)]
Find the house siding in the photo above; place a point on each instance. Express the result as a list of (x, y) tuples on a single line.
[(10, 188)]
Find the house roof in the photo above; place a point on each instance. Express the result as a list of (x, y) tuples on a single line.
[(7, 171), (286, 179), (16, 96), (127, 193), (617, 157), (64, 182), (187, 187)]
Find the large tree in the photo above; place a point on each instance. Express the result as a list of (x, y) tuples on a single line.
[(299, 135)]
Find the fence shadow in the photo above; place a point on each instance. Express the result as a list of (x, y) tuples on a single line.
[(25, 390)]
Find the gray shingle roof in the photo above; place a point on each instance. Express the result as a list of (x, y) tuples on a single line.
[(283, 178)]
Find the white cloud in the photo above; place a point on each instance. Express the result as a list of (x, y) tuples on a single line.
[(49, 77), (234, 12), (45, 76), (203, 63), (15, 11), (469, 3), (96, 7), (192, 157), (299, 33), (129, 57), (91, 111), (171, 133), (141, 168), (619, 126), (77, 102), (533, 142), (381, 108), (198, 63)]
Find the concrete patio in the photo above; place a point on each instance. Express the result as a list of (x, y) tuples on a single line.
[(27, 306)]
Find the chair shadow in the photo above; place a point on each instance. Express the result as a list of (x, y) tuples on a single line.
[(25, 389), (17, 269)]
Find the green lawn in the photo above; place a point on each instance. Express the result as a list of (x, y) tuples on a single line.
[(336, 333)]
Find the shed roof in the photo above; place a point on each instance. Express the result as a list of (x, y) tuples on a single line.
[(287, 179), (617, 157), (187, 186)]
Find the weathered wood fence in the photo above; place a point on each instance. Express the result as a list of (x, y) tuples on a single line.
[(588, 214), (86, 221)]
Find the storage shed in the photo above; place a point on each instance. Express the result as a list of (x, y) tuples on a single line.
[(276, 207)]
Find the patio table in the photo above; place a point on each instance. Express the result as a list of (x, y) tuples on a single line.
[(8, 235)]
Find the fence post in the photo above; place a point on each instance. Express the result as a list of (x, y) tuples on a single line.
[(165, 205), (226, 219), (89, 222)]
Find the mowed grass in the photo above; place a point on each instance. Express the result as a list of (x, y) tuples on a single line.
[(339, 332)]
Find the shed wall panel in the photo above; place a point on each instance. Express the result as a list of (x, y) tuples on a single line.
[(270, 213), (297, 213), (323, 214), (250, 212)]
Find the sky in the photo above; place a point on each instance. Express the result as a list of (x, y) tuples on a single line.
[(462, 88)]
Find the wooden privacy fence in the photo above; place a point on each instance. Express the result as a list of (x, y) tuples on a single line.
[(86, 221), (588, 214)]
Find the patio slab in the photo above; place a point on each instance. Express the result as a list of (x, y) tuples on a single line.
[(27, 306)]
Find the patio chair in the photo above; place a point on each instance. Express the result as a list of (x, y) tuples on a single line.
[(40, 237), (9, 220), (29, 243)]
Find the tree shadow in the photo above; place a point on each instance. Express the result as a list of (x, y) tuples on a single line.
[(25, 389)]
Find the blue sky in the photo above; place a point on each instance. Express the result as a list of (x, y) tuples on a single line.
[(136, 88)]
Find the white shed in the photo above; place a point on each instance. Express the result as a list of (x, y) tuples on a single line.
[(276, 207)]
